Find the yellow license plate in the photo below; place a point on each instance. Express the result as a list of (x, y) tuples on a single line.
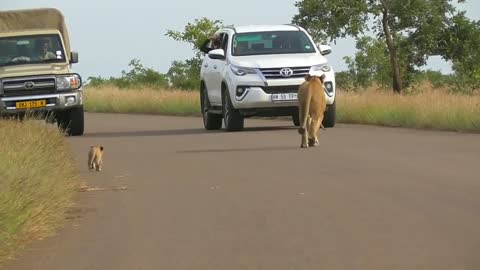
[(31, 104)]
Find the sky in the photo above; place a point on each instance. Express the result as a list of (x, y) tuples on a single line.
[(107, 34)]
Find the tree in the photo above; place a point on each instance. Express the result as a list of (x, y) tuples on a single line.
[(196, 33), (371, 63), (412, 24), (460, 43), (186, 74), (137, 76)]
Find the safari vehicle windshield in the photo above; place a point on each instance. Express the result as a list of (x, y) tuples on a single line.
[(271, 42), (31, 50)]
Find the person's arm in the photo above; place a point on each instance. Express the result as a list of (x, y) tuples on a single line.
[(204, 47), (50, 55)]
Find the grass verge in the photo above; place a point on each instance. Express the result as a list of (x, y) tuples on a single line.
[(427, 109), (37, 181), (145, 101)]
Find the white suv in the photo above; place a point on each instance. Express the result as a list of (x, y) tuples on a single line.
[(257, 71)]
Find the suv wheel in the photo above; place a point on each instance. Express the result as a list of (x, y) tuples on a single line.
[(71, 121), (232, 118), (210, 121), (296, 118), (329, 116)]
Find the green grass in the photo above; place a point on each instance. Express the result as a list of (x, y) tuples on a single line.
[(429, 108), (37, 181)]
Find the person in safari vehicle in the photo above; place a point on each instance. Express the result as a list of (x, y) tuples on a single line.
[(43, 50)]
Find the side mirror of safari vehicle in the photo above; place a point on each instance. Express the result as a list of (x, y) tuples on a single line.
[(324, 49), (217, 54), (74, 57)]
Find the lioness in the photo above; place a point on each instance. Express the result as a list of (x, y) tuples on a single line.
[(95, 157), (311, 107)]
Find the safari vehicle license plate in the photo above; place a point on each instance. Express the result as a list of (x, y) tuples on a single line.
[(284, 97), (31, 104)]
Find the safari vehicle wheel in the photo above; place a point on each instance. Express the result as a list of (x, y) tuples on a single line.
[(329, 116), (296, 118), (71, 121), (210, 121), (232, 118)]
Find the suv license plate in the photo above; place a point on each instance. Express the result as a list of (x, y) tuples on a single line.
[(284, 97)]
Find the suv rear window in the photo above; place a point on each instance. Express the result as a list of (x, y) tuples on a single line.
[(272, 42)]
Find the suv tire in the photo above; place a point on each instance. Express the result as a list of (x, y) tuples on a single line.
[(71, 121), (329, 116), (210, 121), (296, 118), (233, 120)]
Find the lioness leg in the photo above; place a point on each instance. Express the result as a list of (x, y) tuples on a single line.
[(306, 133), (313, 132), (304, 138)]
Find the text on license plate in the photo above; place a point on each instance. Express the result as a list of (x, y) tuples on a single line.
[(31, 104), (284, 97)]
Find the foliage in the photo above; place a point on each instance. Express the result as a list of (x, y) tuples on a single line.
[(196, 33), (186, 74), (371, 63), (137, 76), (462, 46), (345, 81), (410, 29)]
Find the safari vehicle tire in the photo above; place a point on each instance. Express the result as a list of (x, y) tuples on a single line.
[(71, 121), (211, 121), (232, 118), (296, 118), (329, 116)]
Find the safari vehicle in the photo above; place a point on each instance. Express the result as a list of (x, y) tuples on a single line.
[(257, 71), (35, 68)]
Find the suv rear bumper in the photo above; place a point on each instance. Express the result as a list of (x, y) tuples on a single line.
[(54, 102)]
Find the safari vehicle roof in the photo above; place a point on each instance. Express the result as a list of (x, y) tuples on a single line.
[(35, 19)]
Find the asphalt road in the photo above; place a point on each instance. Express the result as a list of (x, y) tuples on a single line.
[(366, 198)]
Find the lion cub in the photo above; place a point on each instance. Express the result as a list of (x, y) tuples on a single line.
[(95, 157)]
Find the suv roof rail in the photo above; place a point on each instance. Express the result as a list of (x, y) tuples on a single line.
[(231, 27)]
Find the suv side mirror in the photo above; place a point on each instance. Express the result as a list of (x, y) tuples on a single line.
[(217, 54), (324, 49), (74, 57)]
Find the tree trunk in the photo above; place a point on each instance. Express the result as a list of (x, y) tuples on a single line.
[(397, 82)]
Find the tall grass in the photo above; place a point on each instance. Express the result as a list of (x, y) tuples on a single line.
[(425, 107), (143, 100), (37, 181)]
